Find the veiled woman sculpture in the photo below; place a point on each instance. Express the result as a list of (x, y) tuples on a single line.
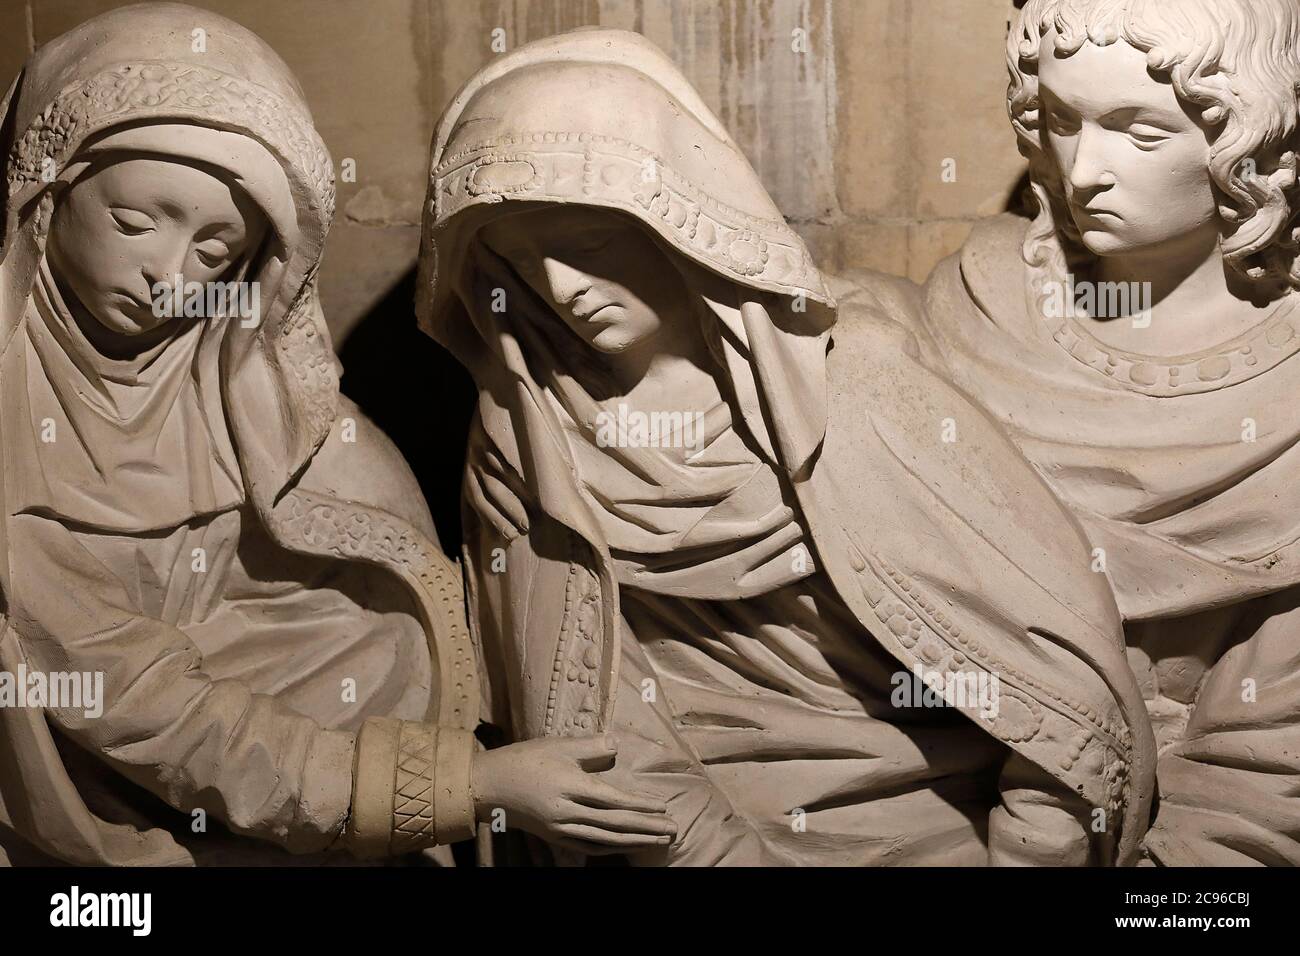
[(1139, 341), (193, 512), (692, 520)]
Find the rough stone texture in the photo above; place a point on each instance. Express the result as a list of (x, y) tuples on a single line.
[(849, 136)]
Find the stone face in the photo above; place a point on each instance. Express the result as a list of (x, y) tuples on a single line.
[(582, 332), (151, 450), (366, 78), (847, 123)]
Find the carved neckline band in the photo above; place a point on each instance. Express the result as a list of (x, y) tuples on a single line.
[(1264, 346)]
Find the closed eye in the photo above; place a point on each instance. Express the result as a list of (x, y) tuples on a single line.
[(131, 222), (1148, 135), (212, 255), (1061, 125), (594, 241)]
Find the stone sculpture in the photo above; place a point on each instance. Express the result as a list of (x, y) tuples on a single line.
[(1138, 341), (715, 511), (192, 513)]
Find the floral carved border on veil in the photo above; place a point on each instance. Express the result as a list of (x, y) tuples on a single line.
[(163, 89)]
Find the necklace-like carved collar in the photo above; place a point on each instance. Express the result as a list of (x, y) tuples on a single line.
[(1257, 350)]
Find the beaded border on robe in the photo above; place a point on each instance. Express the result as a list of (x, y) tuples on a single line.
[(573, 703), (917, 622), (1269, 343), (347, 531)]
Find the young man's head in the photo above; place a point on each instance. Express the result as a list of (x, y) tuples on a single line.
[(1157, 125)]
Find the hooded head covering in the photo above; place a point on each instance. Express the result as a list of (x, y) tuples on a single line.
[(548, 125), (143, 80), (535, 129), (124, 81)]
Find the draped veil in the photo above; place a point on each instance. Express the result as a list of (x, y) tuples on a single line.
[(913, 535), (133, 80)]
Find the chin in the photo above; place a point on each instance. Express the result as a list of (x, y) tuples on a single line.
[(1108, 244), (612, 346), (614, 341), (121, 324)]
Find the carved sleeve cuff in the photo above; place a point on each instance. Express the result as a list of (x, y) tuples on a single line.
[(411, 787)]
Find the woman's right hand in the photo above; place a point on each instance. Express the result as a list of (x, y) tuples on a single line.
[(550, 788)]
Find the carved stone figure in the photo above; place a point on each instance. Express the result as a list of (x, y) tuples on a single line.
[(191, 512), (713, 510), (1138, 341)]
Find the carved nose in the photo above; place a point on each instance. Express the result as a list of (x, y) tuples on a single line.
[(164, 267), (566, 282), (1089, 169)]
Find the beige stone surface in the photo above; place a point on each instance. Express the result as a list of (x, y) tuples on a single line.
[(957, 102), (932, 240), (362, 264), (603, 325), (849, 136), (862, 244), (14, 39), (909, 249), (873, 169)]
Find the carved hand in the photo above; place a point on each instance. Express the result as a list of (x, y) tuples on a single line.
[(550, 788)]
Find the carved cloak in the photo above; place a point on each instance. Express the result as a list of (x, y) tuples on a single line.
[(136, 68), (1182, 472), (952, 554)]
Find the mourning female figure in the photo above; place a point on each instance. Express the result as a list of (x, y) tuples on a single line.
[(711, 510), (194, 520)]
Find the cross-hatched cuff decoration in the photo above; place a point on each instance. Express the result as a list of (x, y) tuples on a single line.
[(411, 787)]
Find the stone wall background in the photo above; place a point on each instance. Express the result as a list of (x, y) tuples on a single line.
[(850, 137)]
